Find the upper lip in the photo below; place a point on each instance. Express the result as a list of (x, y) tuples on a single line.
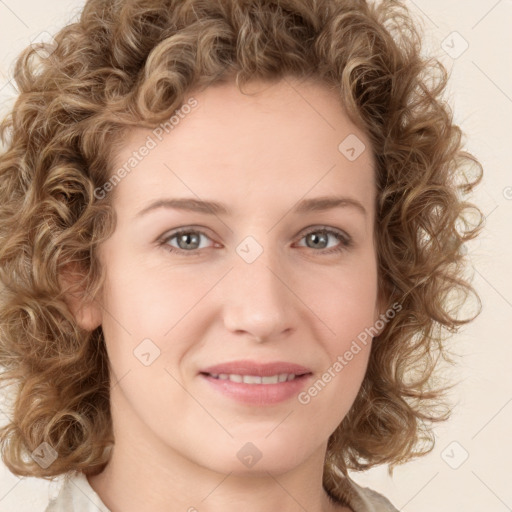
[(246, 367)]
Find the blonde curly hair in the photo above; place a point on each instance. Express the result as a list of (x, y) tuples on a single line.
[(131, 63)]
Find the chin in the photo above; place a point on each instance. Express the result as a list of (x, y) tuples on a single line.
[(258, 457)]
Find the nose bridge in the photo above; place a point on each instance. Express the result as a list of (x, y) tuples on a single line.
[(258, 300)]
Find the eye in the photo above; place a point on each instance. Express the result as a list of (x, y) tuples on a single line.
[(320, 237), (188, 241)]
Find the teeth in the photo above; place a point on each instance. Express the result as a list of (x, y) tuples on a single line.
[(254, 379)]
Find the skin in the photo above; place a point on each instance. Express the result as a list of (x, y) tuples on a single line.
[(177, 438)]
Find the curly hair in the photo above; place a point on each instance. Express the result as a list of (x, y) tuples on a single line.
[(131, 63)]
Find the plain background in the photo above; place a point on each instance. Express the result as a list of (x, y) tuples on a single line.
[(469, 468)]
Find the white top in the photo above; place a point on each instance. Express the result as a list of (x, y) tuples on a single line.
[(76, 495)]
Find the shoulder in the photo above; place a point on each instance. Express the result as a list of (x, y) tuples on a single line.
[(76, 495), (362, 499), (376, 500)]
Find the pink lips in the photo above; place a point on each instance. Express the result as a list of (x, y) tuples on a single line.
[(258, 394)]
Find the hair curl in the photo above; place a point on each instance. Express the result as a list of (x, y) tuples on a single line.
[(131, 63)]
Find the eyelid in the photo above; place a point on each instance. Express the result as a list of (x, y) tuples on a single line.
[(319, 227)]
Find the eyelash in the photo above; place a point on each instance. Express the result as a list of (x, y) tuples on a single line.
[(345, 241)]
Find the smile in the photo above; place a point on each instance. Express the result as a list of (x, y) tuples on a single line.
[(256, 390), (254, 379)]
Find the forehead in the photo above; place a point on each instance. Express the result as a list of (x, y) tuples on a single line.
[(277, 141)]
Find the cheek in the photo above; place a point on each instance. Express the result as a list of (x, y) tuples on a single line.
[(150, 311), (345, 303), (351, 314), (145, 299), (347, 308), (347, 312)]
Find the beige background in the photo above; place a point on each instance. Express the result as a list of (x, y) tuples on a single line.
[(481, 96)]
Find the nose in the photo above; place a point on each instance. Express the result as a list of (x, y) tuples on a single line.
[(259, 300)]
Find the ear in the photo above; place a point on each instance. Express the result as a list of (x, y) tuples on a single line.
[(84, 308)]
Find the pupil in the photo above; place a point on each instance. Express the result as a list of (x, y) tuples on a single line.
[(185, 238), (315, 237)]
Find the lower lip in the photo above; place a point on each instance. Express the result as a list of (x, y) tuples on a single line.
[(259, 394)]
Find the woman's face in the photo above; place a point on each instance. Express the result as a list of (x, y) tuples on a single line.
[(255, 280)]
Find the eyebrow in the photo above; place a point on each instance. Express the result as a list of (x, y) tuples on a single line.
[(215, 208)]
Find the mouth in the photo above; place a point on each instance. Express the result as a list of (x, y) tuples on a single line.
[(257, 383), (256, 379), (252, 368), (257, 390)]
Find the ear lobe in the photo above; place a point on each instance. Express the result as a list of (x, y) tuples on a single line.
[(83, 307)]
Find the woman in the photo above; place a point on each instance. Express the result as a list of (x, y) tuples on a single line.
[(178, 339)]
